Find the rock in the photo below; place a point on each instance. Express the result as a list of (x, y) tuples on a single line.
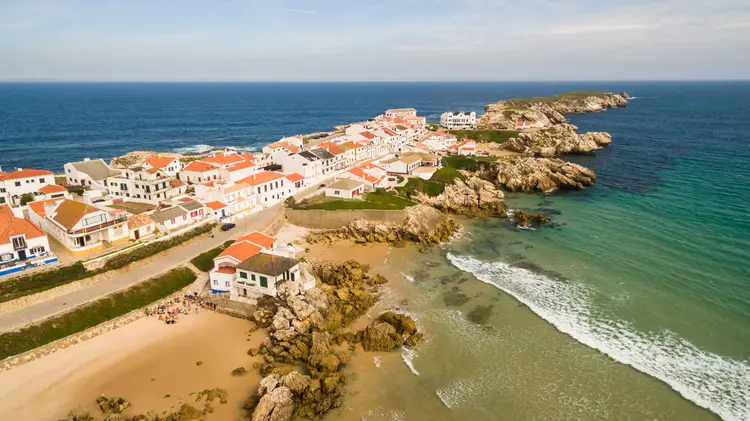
[(557, 140), (380, 336), (414, 340), (471, 197), (211, 395), (455, 298), (78, 414), (480, 314), (239, 371), (527, 219), (401, 322), (251, 402), (321, 356), (548, 110), (112, 405), (285, 334), (296, 382), (301, 308), (542, 174), (185, 413), (268, 384), (138, 157), (282, 319), (252, 327), (265, 311), (276, 405)]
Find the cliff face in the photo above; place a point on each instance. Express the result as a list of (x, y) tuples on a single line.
[(549, 110), (542, 174), (472, 197), (557, 140)]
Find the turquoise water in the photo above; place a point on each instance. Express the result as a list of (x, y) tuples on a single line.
[(651, 265)]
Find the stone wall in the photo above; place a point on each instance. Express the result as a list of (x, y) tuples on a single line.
[(331, 219), (275, 225)]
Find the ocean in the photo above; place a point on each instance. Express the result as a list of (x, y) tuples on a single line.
[(633, 304)]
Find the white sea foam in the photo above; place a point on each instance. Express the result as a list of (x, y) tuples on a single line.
[(718, 383), (408, 277), (376, 360), (408, 355), (200, 148), (465, 390), (383, 414)]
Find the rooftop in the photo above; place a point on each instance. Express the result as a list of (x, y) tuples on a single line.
[(345, 184), (240, 251), (52, 188), (268, 264), (167, 214), (199, 166), (259, 239), (25, 173), (97, 169), (12, 226), (159, 162), (262, 177), (69, 212)]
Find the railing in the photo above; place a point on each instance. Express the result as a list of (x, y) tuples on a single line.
[(117, 220)]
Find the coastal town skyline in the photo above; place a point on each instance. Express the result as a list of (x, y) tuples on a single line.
[(386, 41)]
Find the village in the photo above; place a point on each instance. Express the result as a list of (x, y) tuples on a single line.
[(98, 210)]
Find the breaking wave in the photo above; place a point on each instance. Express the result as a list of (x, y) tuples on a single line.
[(408, 356), (718, 383), (200, 148)]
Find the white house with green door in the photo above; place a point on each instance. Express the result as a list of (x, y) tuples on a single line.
[(264, 272)]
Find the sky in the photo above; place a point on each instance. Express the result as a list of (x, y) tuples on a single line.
[(376, 40)]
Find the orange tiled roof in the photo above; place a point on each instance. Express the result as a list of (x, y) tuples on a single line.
[(240, 166), (226, 270), (159, 162), (332, 148), (199, 166), (52, 188), (12, 226), (216, 205), (258, 239), (38, 207), (240, 251), (222, 159), (368, 135), (69, 212), (295, 177), (236, 187), (247, 156), (262, 177), (26, 173)]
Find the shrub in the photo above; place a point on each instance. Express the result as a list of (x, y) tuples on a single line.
[(430, 188), (42, 281), (447, 175), (467, 163), (92, 314), (205, 260), (26, 198)]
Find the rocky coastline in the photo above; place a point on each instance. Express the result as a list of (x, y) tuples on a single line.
[(471, 197)]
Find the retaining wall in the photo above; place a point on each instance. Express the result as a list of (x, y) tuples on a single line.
[(332, 219)]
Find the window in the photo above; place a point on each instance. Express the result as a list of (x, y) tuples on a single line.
[(99, 219), (243, 275), (41, 180), (18, 184), (37, 250), (19, 243), (216, 282), (252, 277), (226, 283), (263, 282)]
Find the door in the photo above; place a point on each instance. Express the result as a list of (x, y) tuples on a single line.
[(137, 234), (21, 254)]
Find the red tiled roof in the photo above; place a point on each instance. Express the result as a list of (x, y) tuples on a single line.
[(24, 174), (226, 270), (159, 162), (240, 166), (361, 174), (368, 135), (52, 188), (389, 132), (216, 205), (199, 166), (12, 226), (240, 251), (222, 159), (247, 156), (38, 207), (332, 148), (294, 177), (262, 177), (258, 239)]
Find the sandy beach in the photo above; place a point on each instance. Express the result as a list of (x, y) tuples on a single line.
[(142, 362)]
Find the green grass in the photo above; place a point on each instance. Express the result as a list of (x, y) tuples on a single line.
[(573, 95), (38, 282), (487, 136), (430, 188), (90, 315), (447, 175), (375, 200), (205, 260), (468, 163)]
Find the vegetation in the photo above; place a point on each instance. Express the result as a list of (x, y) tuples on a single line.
[(26, 198), (488, 136), (468, 163), (90, 315), (38, 282), (573, 95), (375, 200), (430, 188), (205, 260), (447, 175)]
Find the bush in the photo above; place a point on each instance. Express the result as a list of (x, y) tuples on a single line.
[(291, 202), (92, 314), (430, 188), (26, 198), (205, 260), (42, 281), (446, 175), (467, 163)]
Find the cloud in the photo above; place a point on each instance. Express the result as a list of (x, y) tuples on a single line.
[(302, 11), (591, 29)]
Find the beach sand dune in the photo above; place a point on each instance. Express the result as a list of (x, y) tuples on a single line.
[(142, 362)]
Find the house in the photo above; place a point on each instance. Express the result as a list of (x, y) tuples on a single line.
[(328, 159), (281, 146), (227, 200), (342, 157), (52, 191), (523, 125), (360, 175), (269, 187), (90, 173), (198, 172), (297, 180), (238, 171), (459, 120), (167, 165), (22, 182), (403, 165), (227, 158), (222, 276), (400, 112), (345, 188), (144, 185), (22, 245), (305, 163), (440, 141), (185, 212), (79, 227), (141, 226), (467, 148), (263, 273)]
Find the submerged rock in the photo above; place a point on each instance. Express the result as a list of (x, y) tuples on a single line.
[(526, 219), (480, 314), (390, 330), (115, 405)]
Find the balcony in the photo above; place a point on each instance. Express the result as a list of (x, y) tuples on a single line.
[(117, 220)]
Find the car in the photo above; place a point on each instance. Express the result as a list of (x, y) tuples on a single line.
[(228, 226)]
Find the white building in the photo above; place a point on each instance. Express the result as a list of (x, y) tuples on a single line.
[(440, 142), (79, 227), (144, 185), (91, 173), (263, 273), (345, 188), (183, 213), (523, 125), (17, 183), (167, 165), (198, 172), (227, 200), (22, 245), (237, 172), (305, 163), (223, 274), (467, 148), (269, 187), (400, 112), (459, 120), (402, 165)]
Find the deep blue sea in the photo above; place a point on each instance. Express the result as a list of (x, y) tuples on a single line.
[(651, 266)]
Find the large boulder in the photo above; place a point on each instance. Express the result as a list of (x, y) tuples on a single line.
[(561, 138), (381, 336), (322, 357), (471, 197), (275, 405), (542, 174)]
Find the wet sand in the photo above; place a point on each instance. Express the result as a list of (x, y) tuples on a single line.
[(142, 362)]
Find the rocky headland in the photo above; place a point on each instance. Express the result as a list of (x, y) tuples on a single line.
[(422, 225), (471, 197), (557, 140), (548, 110), (541, 174)]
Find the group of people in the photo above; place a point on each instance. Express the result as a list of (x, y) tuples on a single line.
[(169, 312)]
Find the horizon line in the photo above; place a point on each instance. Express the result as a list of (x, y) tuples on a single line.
[(71, 81)]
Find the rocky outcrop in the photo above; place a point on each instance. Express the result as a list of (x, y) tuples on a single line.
[(112, 405), (423, 224), (296, 396), (527, 219), (138, 157), (542, 174), (472, 197), (557, 140), (390, 330), (548, 110)]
